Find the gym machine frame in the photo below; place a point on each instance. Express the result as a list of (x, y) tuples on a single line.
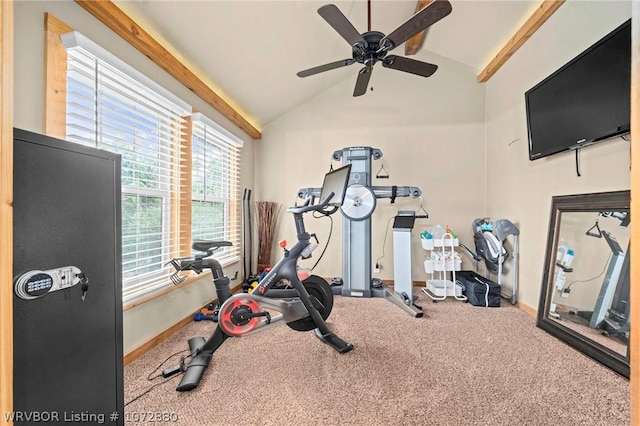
[(359, 203)]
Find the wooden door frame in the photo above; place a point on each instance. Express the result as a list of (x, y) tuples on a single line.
[(6, 208)]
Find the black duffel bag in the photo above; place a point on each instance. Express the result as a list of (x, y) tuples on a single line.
[(479, 291)]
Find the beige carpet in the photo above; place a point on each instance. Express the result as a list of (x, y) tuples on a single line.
[(458, 365)]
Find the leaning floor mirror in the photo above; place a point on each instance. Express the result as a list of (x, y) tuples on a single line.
[(584, 299)]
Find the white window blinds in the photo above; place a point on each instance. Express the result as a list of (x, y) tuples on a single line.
[(216, 204), (113, 107)]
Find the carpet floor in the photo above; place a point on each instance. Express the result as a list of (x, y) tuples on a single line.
[(457, 365)]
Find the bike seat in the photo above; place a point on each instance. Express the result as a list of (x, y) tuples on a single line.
[(206, 245)]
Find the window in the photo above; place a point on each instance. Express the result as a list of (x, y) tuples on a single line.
[(113, 107), (215, 186)]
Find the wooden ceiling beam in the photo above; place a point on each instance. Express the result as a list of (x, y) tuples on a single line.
[(535, 21), (119, 22), (414, 44)]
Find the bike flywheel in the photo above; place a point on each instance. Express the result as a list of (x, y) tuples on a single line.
[(231, 316)]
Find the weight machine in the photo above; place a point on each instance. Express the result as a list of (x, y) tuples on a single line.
[(359, 203), (611, 310)]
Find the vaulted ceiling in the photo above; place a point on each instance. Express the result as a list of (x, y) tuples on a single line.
[(248, 52)]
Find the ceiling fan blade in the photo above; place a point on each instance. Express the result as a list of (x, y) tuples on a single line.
[(325, 67), (341, 24), (409, 65), (418, 22), (362, 83)]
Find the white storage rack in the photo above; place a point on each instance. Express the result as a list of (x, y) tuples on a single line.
[(438, 286)]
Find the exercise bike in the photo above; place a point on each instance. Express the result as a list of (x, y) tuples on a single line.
[(280, 297)]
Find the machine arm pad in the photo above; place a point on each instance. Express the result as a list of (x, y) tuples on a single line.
[(400, 191)]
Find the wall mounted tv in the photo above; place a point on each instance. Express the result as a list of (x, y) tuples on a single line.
[(586, 101)]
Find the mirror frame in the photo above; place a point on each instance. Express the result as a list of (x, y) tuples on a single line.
[(594, 202)]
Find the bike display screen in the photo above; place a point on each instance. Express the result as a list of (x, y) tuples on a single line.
[(336, 182)]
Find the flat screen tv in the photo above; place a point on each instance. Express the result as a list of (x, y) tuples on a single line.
[(586, 101)]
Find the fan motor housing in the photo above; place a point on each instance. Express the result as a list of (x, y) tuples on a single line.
[(369, 55)]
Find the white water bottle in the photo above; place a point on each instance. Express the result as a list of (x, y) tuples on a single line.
[(438, 232), (562, 251), (568, 258)]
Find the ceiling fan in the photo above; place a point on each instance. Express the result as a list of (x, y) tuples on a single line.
[(372, 46)]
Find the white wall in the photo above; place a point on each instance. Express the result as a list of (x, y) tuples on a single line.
[(521, 190), (148, 320), (431, 133), (466, 149)]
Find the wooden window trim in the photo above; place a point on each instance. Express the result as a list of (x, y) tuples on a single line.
[(191, 278), (55, 84), (55, 126), (185, 208)]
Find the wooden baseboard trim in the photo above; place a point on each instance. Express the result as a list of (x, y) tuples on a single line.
[(527, 309), (156, 340)]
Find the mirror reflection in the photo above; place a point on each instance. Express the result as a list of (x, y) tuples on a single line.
[(590, 280), (584, 298)]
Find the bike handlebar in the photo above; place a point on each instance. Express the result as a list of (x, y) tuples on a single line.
[(308, 207)]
